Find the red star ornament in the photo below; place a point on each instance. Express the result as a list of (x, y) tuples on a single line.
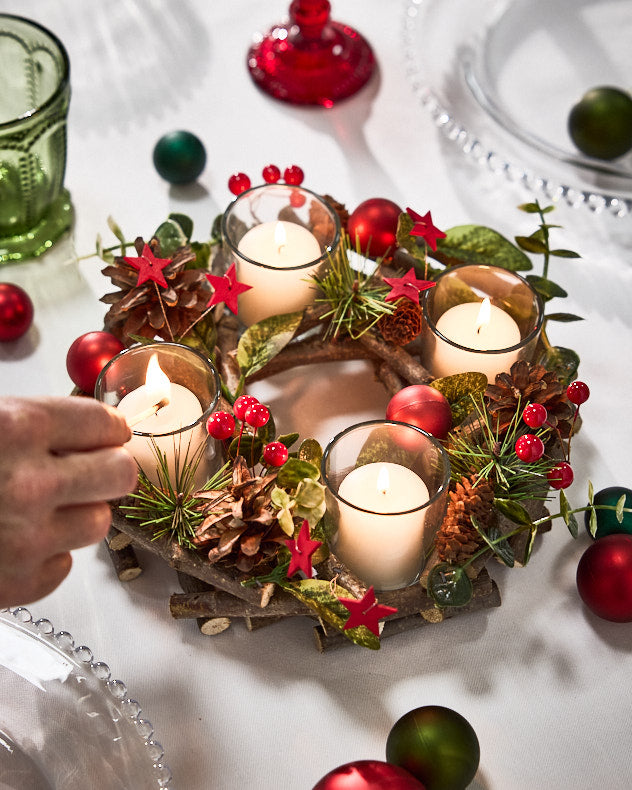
[(301, 549), (366, 611), (226, 288), (407, 286), (149, 267), (424, 227)]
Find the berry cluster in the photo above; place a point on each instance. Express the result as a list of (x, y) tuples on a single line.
[(530, 447), (271, 174), (249, 411)]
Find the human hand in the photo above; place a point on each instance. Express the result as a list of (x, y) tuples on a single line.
[(61, 459)]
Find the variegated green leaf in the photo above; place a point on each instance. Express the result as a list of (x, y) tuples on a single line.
[(311, 451), (619, 508), (294, 470), (263, 341)]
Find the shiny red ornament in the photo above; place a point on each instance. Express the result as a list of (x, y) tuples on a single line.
[(88, 355), (422, 406), (368, 775), (221, 425), (529, 448), (238, 183), (561, 476), (16, 312), (241, 404), (604, 578), (257, 415), (534, 415), (275, 454), (271, 174), (373, 225), (293, 175), (577, 392)]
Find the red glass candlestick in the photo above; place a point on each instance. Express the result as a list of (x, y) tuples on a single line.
[(310, 59)]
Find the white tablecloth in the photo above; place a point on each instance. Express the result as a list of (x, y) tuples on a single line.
[(544, 683)]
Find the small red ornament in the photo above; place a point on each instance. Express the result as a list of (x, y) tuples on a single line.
[(221, 425), (241, 404), (604, 578), (561, 476), (238, 183), (297, 199), (424, 228), (422, 406), (407, 286), (577, 392), (88, 355), (226, 289), (271, 174), (373, 225), (275, 454), (529, 448), (366, 611), (293, 175), (16, 312), (149, 267), (368, 775), (301, 550), (257, 415), (534, 415)]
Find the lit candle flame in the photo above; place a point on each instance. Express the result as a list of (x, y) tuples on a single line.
[(484, 314), (280, 236), (383, 480), (157, 382)]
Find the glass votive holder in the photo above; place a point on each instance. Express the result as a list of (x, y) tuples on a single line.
[(386, 487), (35, 209), (278, 236), (132, 383), (479, 318)]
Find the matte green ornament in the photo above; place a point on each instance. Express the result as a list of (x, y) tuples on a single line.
[(436, 745), (607, 523), (179, 157)]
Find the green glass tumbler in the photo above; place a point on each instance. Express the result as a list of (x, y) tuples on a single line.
[(35, 209)]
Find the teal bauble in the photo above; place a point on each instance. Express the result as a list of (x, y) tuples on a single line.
[(179, 157), (437, 746), (607, 523)]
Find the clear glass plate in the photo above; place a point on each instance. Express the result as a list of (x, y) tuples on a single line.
[(500, 77), (64, 722)]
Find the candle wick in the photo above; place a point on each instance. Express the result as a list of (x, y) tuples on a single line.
[(280, 249)]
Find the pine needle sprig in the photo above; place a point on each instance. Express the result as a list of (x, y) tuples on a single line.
[(170, 507), (356, 299)]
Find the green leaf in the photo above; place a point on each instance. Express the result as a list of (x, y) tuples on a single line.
[(250, 448), (202, 337), (294, 470), (619, 508), (449, 585), (529, 547), (592, 526), (531, 244), (591, 492), (572, 525), (202, 250), (514, 511), (535, 208), (263, 341), (288, 439), (458, 390), (105, 255), (565, 254), (568, 515), (114, 227), (317, 594), (565, 318), (185, 223), (564, 362), (311, 451), (545, 287), (496, 543), (170, 236), (479, 244)]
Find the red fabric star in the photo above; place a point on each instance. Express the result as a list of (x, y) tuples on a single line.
[(226, 288), (149, 267), (366, 611), (423, 227), (302, 549), (407, 286)]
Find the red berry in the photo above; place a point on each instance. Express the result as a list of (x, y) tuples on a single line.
[(238, 183), (529, 448), (293, 175), (561, 476), (297, 198), (578, 392), (534, 415), (221, 425), (257, 415), (275, 454), (242, 403), (271, 174)]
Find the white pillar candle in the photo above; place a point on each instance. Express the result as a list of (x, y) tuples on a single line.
[(479, 326), (280, 288), (183, 409), (382, 543)]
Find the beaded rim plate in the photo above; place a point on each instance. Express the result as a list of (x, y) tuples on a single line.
[(64, 721), (467, 60)]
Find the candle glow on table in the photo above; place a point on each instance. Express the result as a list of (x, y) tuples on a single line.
[(183, 409), (276, 287), (382, 544), (479, 326)]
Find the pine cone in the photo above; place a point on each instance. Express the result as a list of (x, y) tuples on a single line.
[(457, 540), (240, 524), (139, 310), (403, 325), (526, 383), (340, 209)]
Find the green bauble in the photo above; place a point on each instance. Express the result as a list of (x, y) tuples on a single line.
[(437, 746), (179, 157), (607, 523), (600, 124)]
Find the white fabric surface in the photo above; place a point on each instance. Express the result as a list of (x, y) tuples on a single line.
[(543, 682)]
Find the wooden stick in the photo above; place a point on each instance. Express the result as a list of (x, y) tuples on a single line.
[(209, 626), (215, 603), (398, 359), (117, 540), (148, 412), (125, 562)]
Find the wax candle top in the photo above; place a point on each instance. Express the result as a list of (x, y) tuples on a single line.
[(384, 488), (280, 244), (481, 326)]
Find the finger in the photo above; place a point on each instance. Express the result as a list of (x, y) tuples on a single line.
[(77, 526), (94, 476), (18, 589)]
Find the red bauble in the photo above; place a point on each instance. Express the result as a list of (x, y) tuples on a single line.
[(16, 311), (374, 225), (604, 578), (87, 357), (368, 775), (422, 406)]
